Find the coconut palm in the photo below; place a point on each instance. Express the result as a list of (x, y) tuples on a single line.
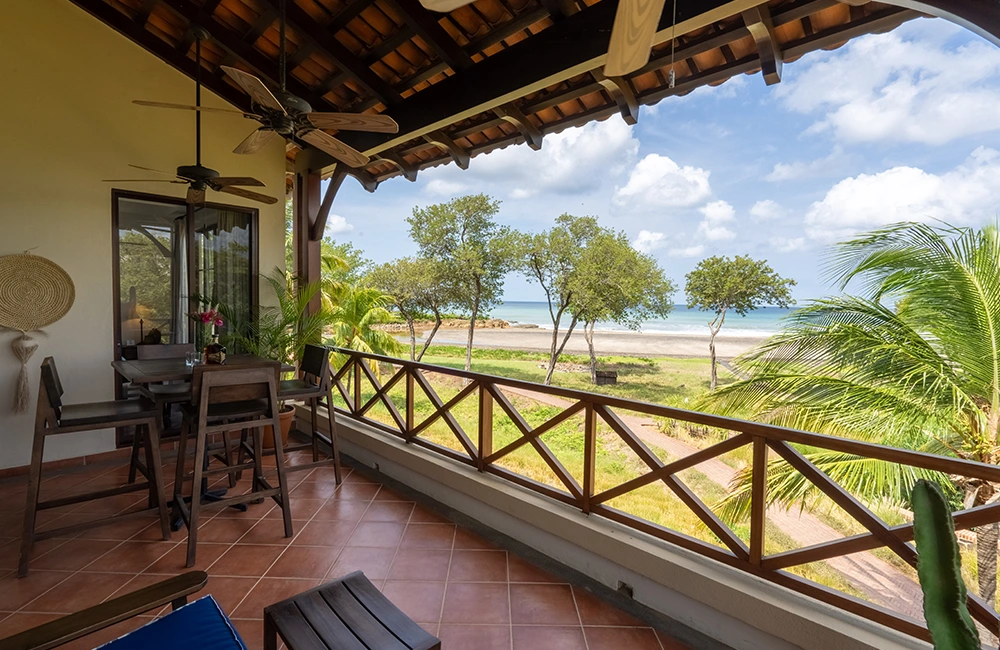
[(923, 374), (356, 310)]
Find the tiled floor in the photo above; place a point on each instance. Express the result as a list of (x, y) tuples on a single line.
[(457, 585)]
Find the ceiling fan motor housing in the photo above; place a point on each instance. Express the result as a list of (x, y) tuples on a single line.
[(197, 173), (292, 103)]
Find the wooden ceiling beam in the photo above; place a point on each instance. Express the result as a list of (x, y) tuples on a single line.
[(325, 42), (142, 13), (265, 20), (389, 45), (621, 92), (758, 22), (512, 114), (883, 20), (346, 15), (425, 24), (441, 140), (506, 30)]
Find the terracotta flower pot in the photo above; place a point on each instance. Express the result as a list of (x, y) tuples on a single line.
[(286, 416)]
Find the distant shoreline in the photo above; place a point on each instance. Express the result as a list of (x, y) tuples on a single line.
[(606, 343)]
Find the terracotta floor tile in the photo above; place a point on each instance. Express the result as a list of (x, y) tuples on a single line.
[(420, 564), (476, 602), (173, 562), (304, 562), (542, 605), (251, 631), (228, 592), (377, 533), (335, 510), (523, 571), (309, 489), (224, 530), (10, 551), (669, 643), (615, 638), (73, 555), (79, 591), (480, 637), (594, 611), (302, 508), (245, 560), (120, 530), (543, 637), (467, 540), (429, 536), (374, 562), (324, 533), (422, 515), (272, 532), (388, 494), (394, 511), (269, 591), (356, 492), (16, 592), (131, 557), (421, 601), (478, 566)]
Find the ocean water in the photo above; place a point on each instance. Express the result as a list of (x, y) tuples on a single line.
[(760, 322)]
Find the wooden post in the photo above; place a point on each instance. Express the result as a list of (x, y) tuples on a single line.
[(410, 397), (357, 383), (589, 455), (485, 427), (305, 212), (758, 500)]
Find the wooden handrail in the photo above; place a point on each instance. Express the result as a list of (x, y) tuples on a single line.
[(477, 450)]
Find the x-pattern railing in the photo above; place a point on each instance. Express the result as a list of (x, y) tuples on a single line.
[(598, 409)]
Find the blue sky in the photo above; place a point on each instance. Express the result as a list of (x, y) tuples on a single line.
[(897, 126)]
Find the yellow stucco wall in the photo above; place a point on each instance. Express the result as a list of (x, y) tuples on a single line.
[(66, 123)]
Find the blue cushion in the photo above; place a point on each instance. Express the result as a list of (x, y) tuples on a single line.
[(200, 624)]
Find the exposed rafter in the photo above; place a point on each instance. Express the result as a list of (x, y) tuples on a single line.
[(758, 21), (441, 140), (426, 26), (513, 115)]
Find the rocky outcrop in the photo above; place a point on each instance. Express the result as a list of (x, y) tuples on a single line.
[(450, 323)]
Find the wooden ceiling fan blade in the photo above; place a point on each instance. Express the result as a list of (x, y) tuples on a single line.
[(191, 107), (247, 194), (255, 141), (157, 171), (331, 145), (353, 122), (444, 6), (140, 180), (632, 36), (255, 88), (195, 197), (223, 181)]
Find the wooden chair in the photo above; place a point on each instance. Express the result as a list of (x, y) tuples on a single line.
[(315, 386), (224, 398), (63, 630), (164, 395), (52, 417)]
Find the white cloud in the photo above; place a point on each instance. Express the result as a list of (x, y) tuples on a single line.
[(574, 161), (647, 242), (964, 195), (891, 87), (767, 210), (658, 182), (689, 251), (336, 224), (788, 245), (717, 214)]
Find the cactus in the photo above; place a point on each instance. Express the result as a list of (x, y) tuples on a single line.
[(940, 571)]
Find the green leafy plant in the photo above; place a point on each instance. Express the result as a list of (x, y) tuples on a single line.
[(939, 568)]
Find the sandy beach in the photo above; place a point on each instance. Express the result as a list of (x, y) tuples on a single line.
[(648, 344)]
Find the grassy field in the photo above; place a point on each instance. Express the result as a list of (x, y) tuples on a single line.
[(663, 381)]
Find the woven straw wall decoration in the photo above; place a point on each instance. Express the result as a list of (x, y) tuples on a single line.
[(34, 293)]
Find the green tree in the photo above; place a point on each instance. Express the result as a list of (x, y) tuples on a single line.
[(416, 285), (924, 375), (552, 259), (474, 250), (614, 282), (742, 284), (353, 319)]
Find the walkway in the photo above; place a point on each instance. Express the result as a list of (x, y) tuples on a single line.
[(878, 580)]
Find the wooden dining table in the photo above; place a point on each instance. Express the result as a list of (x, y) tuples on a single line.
[(154, 371)]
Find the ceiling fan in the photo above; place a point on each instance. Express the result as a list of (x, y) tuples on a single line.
[(283, 113), (198, 177), (631, 36)]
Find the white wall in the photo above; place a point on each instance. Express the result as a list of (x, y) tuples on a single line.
[(66, 123)]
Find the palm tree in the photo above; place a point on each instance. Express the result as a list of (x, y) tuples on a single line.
[(355, 311), (924, 374)]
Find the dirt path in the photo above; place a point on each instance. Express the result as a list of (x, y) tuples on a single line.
[(881, 582)]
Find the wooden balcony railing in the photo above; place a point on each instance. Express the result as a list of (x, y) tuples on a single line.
[(355, 375)]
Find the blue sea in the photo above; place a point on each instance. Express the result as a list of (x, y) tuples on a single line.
[(761, 322)]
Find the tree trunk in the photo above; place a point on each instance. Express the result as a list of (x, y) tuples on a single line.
[(430, 337), (986, 561), (711, 354), (413, 338), (553, 355), (588, 332), (472, 331)]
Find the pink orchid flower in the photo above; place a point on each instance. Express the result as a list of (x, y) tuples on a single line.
[(218, 322)]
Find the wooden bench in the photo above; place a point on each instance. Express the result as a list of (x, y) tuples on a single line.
[(347, 614)]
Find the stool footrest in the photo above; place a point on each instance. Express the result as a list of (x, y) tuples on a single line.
[(90, 496)]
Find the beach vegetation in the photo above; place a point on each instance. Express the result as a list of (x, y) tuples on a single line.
[(741, 284), (416, 286), (911, 360)]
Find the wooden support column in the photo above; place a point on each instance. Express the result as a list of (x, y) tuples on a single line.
[(310, 211), (513, 115), (485, 427), (622, 93), (758, 21)]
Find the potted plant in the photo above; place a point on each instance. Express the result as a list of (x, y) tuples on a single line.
[(279, 331)]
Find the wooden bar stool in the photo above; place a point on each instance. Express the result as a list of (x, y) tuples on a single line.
[(164, 395), (226, 398), (314, 387), (52, 417)]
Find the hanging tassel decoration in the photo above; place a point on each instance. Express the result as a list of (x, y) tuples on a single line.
[(24, 346)]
